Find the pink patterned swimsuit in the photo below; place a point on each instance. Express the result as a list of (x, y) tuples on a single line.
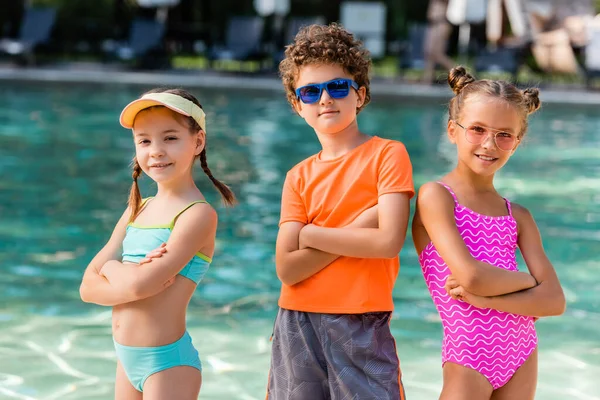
[(492, 342)]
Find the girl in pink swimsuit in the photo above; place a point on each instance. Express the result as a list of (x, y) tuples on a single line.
[(466, 235)]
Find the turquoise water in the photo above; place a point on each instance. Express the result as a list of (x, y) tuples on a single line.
[(64, 181)]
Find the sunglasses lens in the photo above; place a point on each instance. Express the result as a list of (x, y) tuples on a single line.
[(475, 134), (338, 89), (505, 141), (310, 94)]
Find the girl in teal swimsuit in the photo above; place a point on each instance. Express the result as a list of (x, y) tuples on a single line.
[(158, 252)]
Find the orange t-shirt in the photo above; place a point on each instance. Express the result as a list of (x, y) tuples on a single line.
[(332, 193)]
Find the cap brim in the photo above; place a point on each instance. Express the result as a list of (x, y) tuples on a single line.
[(132, 109)]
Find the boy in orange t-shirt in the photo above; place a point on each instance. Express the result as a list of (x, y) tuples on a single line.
[(344, 216)]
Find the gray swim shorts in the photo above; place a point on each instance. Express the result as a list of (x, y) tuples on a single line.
[(334, 357)]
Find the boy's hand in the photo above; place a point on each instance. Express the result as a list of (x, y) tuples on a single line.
[(156, 253), (303, 235), (367, 219)]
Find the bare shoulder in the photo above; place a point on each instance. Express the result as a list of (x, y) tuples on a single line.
[(433, 193), (202, 212), (121, 225), (195, 228), (197, 216), (525, 221), (521, 214)]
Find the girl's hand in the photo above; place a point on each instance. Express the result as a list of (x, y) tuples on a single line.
[(156, 253), (459, 293), (451, 283)]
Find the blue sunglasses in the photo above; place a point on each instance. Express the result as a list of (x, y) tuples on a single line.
[(337, 89)]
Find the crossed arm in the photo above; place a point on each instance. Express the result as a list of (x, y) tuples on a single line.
[(109, 282), (544, 299), (379, 232), (95, 288), (482, 284)]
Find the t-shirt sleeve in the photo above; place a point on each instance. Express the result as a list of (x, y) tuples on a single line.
[(292, 206), (395, 171)]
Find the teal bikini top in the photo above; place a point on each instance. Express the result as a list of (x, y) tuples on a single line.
[(140, 240)]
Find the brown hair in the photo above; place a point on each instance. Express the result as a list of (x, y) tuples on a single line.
[(325, 44), (464, 85), (135, 198)]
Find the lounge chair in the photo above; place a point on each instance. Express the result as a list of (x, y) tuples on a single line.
[(243, 40), (295, 23), (502, 59), (35, 30), (292, 28), (412, 55), (144, 46)]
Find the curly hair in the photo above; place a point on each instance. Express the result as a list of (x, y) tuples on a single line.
[(464, 85), (325, 44)]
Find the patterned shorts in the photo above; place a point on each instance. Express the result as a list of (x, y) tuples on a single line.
[(334, 357)]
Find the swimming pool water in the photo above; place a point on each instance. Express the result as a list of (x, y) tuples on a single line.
[(64, 163)]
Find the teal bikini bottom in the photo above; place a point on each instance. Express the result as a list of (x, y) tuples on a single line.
[(141, 362)]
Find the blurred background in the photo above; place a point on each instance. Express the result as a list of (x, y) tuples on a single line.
[(67, 68), (540, 40)]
